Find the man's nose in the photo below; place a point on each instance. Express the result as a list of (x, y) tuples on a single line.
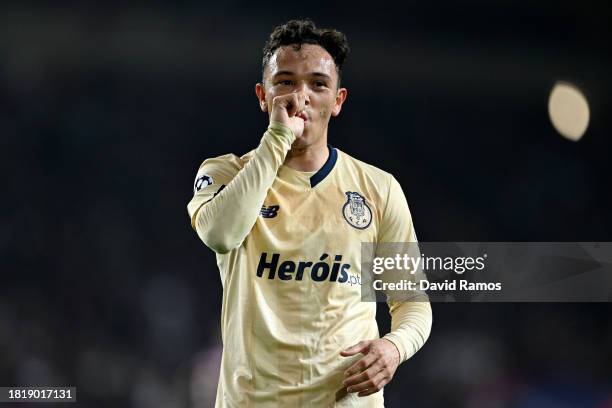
[(302, 88)]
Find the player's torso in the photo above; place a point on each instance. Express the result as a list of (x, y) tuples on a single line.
[(297, 278), (307, 239), (332, 218)]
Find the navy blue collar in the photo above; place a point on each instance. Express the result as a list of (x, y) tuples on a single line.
[(327, 167)]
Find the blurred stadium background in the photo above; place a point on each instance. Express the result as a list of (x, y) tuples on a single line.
[(107, 110)]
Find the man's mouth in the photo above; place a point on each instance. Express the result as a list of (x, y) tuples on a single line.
[(303, 116)]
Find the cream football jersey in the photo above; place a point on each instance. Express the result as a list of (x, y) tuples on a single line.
[(288, 249)]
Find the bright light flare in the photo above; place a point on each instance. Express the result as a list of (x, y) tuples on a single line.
[(568, 110)]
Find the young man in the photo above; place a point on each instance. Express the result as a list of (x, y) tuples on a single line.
[(287, 221)]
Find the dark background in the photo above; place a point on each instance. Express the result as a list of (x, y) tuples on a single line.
[(106, 112)]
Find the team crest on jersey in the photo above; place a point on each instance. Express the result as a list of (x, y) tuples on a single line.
[(356, 210), (203, 181)]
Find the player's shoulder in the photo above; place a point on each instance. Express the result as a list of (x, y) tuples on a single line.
[(226, 162), (370, 172)]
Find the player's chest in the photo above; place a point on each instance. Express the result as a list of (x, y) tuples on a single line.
[(332, 213)]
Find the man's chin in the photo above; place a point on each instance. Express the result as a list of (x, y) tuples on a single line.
[(302, 141), (305, 140), (299, 144)]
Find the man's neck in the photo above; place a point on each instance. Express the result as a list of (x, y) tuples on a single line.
[(310, 158)]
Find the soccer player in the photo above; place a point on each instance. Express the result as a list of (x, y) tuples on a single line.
[(286, 221)]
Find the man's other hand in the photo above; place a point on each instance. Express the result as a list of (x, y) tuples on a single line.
[(374, 370)]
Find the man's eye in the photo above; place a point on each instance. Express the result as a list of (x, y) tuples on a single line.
[(319, 83), (284, 82)]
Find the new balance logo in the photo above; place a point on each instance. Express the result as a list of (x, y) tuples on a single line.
[(270, 211)]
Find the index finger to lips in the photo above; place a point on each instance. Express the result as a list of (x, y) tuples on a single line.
[(293, 104)]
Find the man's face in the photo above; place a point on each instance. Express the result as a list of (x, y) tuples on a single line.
[(310, 70)]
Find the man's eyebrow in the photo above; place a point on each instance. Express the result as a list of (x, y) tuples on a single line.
[(320, 74), (279, 73), (314, 74)]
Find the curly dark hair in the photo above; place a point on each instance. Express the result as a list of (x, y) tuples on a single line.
[(298, 32)]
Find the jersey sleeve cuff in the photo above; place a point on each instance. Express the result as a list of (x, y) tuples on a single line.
[(281, 130)]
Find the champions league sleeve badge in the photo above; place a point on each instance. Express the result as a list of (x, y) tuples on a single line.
[(356, 211), (203, 181)]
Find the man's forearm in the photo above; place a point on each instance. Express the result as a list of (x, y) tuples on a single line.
[(224, 222), (410, 326)]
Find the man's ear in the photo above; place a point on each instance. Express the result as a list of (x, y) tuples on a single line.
[(261, 96), (340, 98)]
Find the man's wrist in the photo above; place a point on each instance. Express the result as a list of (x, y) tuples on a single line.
[(278, 128), (391, 338)]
